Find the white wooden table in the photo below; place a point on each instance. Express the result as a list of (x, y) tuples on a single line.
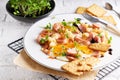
[(11, 30)]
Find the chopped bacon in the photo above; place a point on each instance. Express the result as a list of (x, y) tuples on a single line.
[(71, 52)]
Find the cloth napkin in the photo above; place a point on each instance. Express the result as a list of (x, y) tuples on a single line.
[(23, 60)]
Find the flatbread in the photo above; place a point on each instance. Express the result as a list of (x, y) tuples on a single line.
[(96, 10), (80, 10), (109, 19), (78, 67), (99, 46)]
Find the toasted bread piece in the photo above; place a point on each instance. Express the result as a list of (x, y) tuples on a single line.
[(78, 67), (96, 10), (109, 19), (80, 10), (99, 46)]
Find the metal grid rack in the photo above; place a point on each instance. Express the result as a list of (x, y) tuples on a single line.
[(17, 46)]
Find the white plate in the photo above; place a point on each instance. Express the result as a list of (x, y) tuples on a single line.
[(33, 49)]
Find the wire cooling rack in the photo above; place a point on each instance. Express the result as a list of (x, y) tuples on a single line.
[(17, 46)]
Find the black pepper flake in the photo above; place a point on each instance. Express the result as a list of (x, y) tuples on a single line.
[(110, 51)]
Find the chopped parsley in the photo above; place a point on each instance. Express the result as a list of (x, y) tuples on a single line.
[(100, 34), (64, 23), (48, 26), (42, 41), (66, 35), (63, 54), (46, 37), (77, 20), (77, 55), (110, 39), (75, 43)]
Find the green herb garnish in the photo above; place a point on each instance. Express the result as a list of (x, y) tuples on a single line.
[(30, 8), (77, 55), (66, 35), (110, 39), (60, 30), (48, 26), (63, 54), (77, 20), (46, 37), (75, 43), (42, 41), (64, 23), (100, 34)]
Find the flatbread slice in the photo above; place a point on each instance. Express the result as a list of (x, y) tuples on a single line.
[(96, 10), (78, 67)]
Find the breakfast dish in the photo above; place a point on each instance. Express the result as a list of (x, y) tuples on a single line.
[(79, 43), (72, 44), (68, 41)]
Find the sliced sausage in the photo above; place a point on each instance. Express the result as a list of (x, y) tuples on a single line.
[(45, 45), (97, 39), (46, 51), (38, 39), (61, 40), (57, 27), (90, 36), (71, 52), (96, 54), (95, 25), (44, 33), (82, 28), (70, 58), (80, 40)]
